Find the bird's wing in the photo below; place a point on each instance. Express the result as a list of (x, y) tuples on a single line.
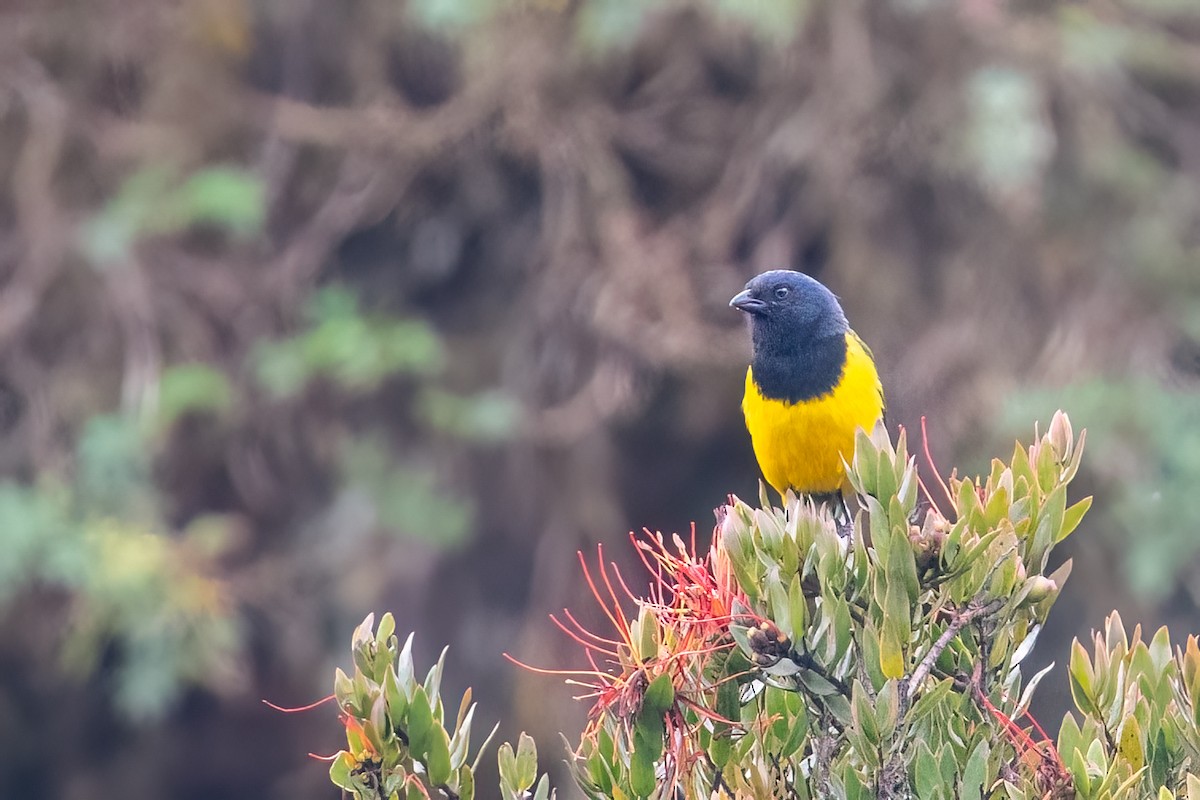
[(878, 382)]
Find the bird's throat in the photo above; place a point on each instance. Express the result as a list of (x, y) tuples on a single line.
[(792, 373)]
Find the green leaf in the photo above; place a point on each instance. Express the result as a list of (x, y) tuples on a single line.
[(1070, 737), (230, 197), (643, 632), (728, 706), (404, 667), (1160, 650), (780, 608), (869, 656), (997, 507), (641, 774), (466, 784), (600, 772), (460, 742), (721, 748), (1054, 509), (742, 639), (379, 722), (343, 687), (927, 701), (506, 762), (526, 763), (865, 463), (648, 734), (1072, 517), (927, 775), (843, 633), (855, 789), (340, 769), (387, 627), (438, 761), (975, 773), (798, 725), (797, 608), (1130, 746), (863, 715), (887, 709), (420, 725), (902, 565), (894, 635), (659, 695), (192, 388), (1160, 761), (815, 684)]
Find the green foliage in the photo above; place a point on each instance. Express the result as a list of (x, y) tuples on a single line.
[(192, 389), (805, 660), (775, 22), (452, 15), (112, 469), (148, 593), (1128, 197), (1008, 138), (407, 498), (155, 202), (399, 743), (603, 25), (876, 665), (357, 352), (1140, 707), (354, 351), (518, 772), (885, 664), (486, 417)]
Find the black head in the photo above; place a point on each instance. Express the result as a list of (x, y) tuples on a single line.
[(791, 305), (799, 334)]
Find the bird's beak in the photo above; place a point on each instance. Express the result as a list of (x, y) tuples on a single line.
[(744, 301)]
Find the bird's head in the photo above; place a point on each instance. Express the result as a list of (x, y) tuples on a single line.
[(784, 304)]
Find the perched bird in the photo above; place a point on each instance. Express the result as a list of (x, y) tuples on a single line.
[(811, 383)]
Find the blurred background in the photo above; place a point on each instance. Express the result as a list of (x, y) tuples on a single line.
[(312, 309)]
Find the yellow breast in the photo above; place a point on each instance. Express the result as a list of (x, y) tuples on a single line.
[(801, 445)]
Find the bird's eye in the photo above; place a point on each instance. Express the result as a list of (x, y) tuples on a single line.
[(781, 292)]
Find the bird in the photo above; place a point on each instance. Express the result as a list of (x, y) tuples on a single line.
[(811, 384)]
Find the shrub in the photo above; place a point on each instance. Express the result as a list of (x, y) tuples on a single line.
[(801, 658)]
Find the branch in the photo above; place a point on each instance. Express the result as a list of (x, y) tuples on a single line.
[(974, 610), (806, 661)]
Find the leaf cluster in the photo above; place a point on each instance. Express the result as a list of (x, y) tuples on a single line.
[(399, 740), (879, 661), (1140, 706), (144, 599), (811, 657)]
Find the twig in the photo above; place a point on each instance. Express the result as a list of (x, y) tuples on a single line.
[(719, 782), (973, 611), (39, 216), (806, 661), (824, 749)]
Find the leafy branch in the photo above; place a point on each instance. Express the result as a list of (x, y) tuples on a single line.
[(791, 661)]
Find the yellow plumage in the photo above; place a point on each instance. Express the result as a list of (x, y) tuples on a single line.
[(801, 445)]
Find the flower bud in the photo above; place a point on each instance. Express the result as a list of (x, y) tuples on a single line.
[(1060, 436), (1040, 587)]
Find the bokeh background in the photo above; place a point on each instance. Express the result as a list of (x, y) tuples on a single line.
[(310, 309)]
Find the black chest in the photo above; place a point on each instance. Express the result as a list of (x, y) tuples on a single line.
[(794, 372)]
